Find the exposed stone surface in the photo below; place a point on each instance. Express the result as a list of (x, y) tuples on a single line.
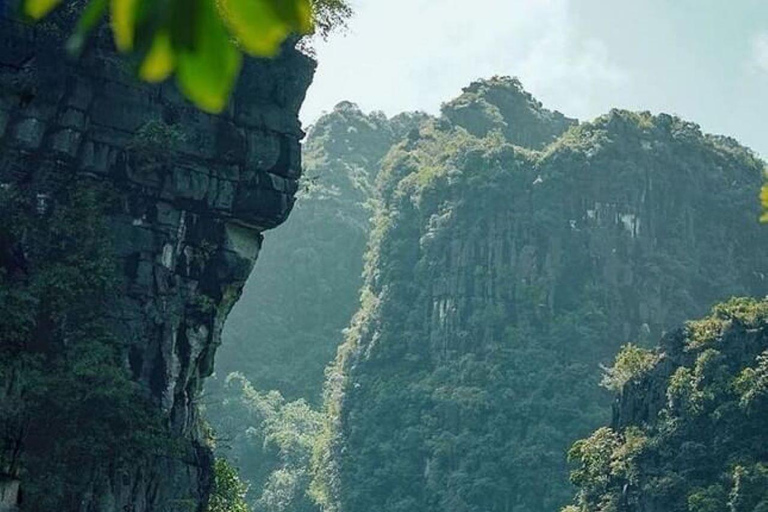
[(190, 225), (307, 282)]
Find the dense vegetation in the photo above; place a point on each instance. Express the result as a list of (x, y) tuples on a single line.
[(498, 280), (58, 360), (287, 325), (689, 429), (501, 104), (511, 253)]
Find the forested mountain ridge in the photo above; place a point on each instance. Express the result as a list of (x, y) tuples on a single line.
[(499, 278), (289, 322), (313, 267), (688, 430), (501, 103)]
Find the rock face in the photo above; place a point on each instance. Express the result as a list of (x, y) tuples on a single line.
[(194, 193), (499, 278), (688, 431), (288, 324), (307, 286)]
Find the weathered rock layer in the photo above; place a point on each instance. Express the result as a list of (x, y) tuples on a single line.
[(194, 193)]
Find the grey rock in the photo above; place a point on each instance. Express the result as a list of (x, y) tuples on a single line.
[(187, 228)]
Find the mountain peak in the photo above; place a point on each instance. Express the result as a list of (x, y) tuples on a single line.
[(502, 103)]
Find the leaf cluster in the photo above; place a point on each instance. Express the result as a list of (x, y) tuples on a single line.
[(201, 42)]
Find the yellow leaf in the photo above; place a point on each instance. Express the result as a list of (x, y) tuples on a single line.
[(305, 18), (159, 62), (764, 196), (37, 9), (123, 22), (255, 25), (296, 13)]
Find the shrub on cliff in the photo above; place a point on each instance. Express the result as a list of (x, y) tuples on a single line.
[(228, 493), (68, 398), (706, 448), (631, 363)]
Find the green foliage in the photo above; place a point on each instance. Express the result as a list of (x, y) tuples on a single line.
[(501, 104), (58, 359), (156, 143), (708, 499), (200, 41), (273, 439), (228, 493), (603, 458), (632, 362), (330, 15), (497, 279), (705, 449), (752, 383), (750, 488)]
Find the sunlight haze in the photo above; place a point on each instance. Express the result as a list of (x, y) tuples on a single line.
[(580, 57)]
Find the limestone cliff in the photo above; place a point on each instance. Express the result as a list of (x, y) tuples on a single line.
[(309, 277), (499, 278), (190, 195), (285, 329)]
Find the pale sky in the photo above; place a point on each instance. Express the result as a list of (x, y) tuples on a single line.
[(705, 60)]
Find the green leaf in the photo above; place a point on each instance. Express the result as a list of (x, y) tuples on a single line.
[(160, 60), (206, 73), (261, 26), (124, 15), (298, 13), (88, 20), (37, 9), (183, 23)]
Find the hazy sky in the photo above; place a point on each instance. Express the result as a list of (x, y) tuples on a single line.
[(705, 60)]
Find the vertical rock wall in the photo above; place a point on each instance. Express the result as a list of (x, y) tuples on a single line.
[(188, 227)]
